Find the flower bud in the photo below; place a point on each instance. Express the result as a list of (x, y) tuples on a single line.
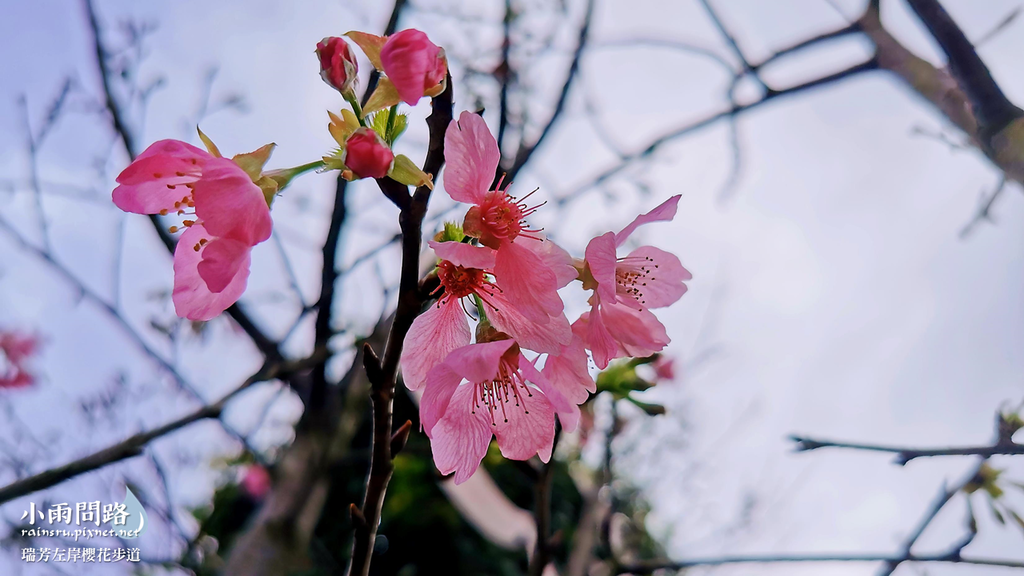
[(338, 65), (367, 155), (415, 65)]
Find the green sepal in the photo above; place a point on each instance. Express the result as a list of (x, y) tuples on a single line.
[(405, 171), (253, 162)]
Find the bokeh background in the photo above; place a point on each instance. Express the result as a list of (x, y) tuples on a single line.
[(845, 285)]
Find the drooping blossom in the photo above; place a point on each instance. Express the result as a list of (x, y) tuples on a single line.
[(620, 322), (16, 350), (527, 266), (568, 370), (226, 215), (338, 66), (464, 272), (486, 389), (367, 155), (416, 66)]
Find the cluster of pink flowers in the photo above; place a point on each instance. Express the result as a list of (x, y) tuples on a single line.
[(16, 350), (527, 363), (224, 203), (512, 274)]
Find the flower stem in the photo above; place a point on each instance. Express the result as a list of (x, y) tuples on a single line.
[(480, 307), (351, 99), (391, 125)]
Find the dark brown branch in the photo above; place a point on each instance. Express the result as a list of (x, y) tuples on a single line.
[(317, 402), (526, 150), (542, 512), (692, 127), (904, 455), (992, 108), (134, 445), (504, 74), (748, 69), (649, 567), (383, 373)]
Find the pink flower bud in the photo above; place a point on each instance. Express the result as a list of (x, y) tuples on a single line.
[(367, 155), (337, 63), (414, 64)]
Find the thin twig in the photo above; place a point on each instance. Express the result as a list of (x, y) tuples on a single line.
[(542, 512), (526, 150), (134, 445), (649, 567), (905, 454)]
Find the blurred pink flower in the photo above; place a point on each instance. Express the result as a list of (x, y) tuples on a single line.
[(338, 66), (530, 271), (256, 481), (620, 322), (367, 155), (228, 215), (487, 389), (664, 368), (415, 65), (15, 352), (444, 327)]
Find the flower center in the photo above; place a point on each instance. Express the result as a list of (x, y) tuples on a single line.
[(459, 281), (504, 392), (185, 207), (500, 217), (633, 281)]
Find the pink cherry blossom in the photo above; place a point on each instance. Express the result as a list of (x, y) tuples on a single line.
[(487, 389), (367, 155), (227, 214), (463, 272), (529, 271), (16, 350), (338, 66), (568, 372), (664, 368), (415, 65), (620, 322)]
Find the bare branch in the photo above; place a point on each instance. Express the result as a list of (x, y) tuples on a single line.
[(133, 446), (526, 150), (904, 454), (992, 108), (384, 372)]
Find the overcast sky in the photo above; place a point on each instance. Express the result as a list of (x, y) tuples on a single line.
[(832, 293)]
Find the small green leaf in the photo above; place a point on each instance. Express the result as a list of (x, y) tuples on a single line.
[(210, 146)]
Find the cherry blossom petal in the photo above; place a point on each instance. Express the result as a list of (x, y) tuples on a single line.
[(433, 334), (154, 181), (191, 296), (527, 429), (460, 439), (441, 384), (568, 412), (462, 254), (664, 211), (568, 371), (222, 258), (555, 258), (601, 260), (529, 284), (639, 332), (478, 362), (471, 156), (548, 336), (230, 205), (661, 277)]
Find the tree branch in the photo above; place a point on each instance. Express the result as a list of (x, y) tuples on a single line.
[(904, 454), (649, 567), (383, 373), (992, 108), (134, 445), (525, 151), (542, 512)]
